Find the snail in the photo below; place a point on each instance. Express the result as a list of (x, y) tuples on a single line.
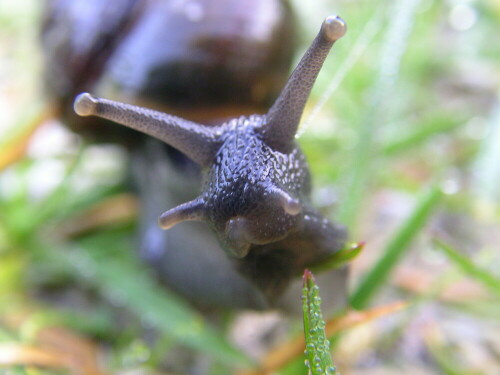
[(256, 182), (204, 60)]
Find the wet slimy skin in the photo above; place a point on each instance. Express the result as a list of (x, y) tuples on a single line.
[(256, 188)]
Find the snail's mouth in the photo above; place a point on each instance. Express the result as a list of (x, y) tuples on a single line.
[(237, 237), (241, 233)]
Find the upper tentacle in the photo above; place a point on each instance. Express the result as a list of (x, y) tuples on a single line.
[(198, 142), (284, 116)]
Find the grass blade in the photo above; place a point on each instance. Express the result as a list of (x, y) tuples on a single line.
[(432, 125), (340, 258), (291, 350), (467, 266), (127, 283), (396, 248), (318, 356)]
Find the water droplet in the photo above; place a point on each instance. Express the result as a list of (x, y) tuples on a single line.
[(308, 365), (327, 345), (330, 370)]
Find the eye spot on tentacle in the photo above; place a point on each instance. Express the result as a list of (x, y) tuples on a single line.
[(334, 28), (85, 104)]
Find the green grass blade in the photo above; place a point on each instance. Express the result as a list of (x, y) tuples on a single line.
[(395, 249), (436, 123), (124, 281), (467, 266), (445, 364), (54, 202), (340, 258), (318, 357)]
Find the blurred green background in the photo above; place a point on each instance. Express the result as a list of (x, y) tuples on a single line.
[(403, 137)]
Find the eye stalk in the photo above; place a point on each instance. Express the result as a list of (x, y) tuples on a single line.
[(333, 28), (196, 141), (199, 142), (257, 180), (284, 116)]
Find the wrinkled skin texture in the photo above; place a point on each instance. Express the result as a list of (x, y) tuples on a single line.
[(256, 187), (240, 184), (233, 61), (241, 181)]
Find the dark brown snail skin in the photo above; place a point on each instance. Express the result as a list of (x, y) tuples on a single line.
[(256, 182)]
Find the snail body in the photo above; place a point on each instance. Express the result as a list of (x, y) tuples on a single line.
[(205, 60), (256, 182)]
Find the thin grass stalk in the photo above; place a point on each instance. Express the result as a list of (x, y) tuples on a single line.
[(394, 45), (396, 248)]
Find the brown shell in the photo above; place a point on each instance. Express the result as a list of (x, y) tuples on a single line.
[(204, 60)]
